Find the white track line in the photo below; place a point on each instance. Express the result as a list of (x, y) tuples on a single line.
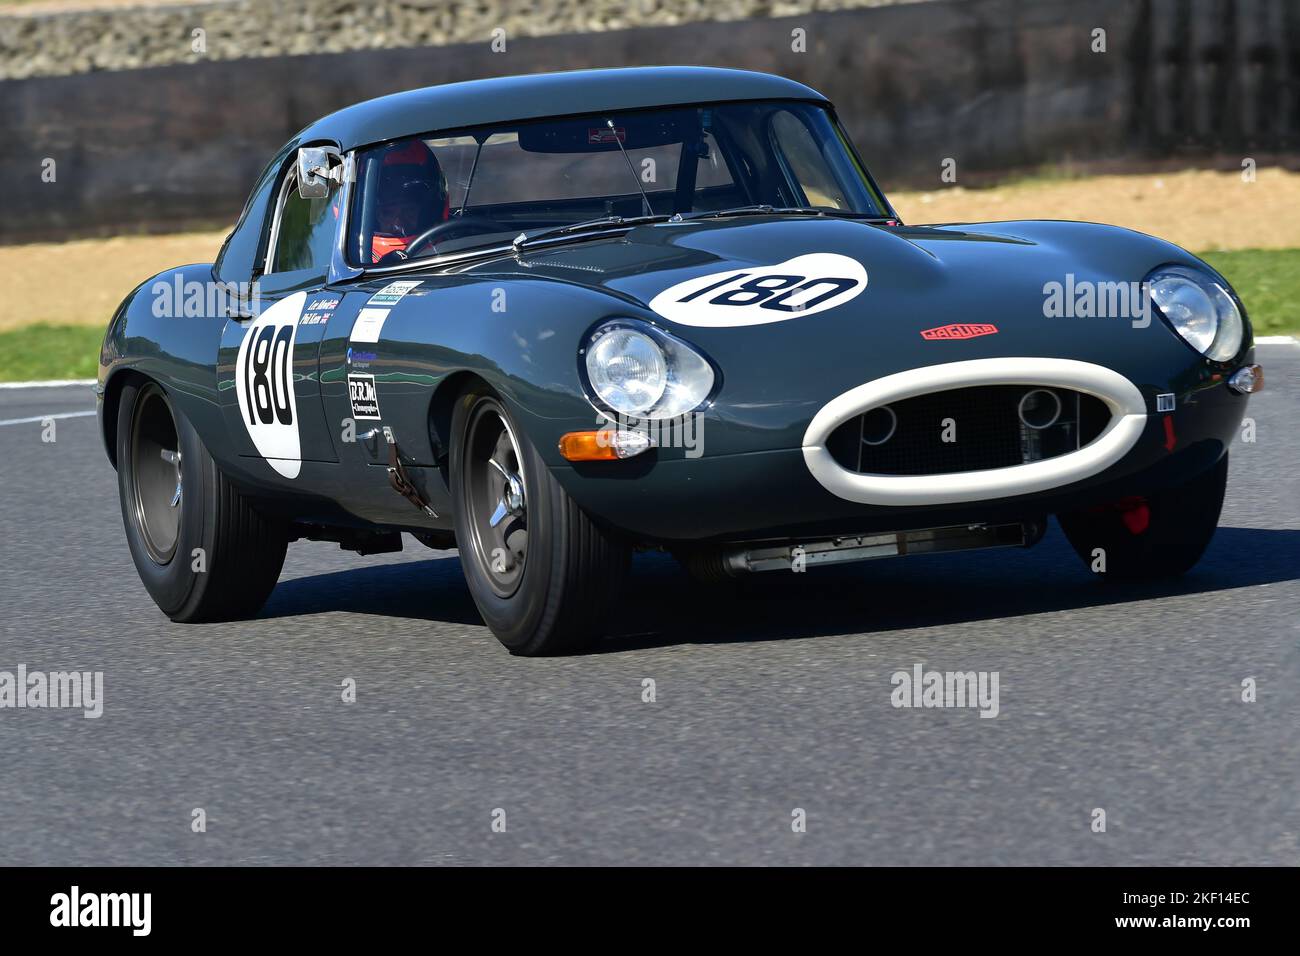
[(41, 418), (1276, 340), (51, 383)]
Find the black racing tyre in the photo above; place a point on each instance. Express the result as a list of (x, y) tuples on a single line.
[(1180, 522), (541, 572), (203, 553)]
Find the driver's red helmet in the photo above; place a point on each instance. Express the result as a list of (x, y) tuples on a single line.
[(411, 196)]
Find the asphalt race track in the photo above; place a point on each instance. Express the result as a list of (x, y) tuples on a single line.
[(771, 697)]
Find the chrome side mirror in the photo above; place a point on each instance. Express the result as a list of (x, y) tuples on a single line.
[(313, 172)]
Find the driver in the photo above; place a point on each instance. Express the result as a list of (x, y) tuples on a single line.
[(411, 198)]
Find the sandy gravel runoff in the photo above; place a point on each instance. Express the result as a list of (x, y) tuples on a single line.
[(1200, 210), (82, 282)]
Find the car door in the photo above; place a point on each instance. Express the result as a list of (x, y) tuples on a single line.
[(268, 375)]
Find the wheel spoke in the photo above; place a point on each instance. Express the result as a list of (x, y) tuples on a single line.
[(498, 505), (516, 539), (174, 458), (504, 448)]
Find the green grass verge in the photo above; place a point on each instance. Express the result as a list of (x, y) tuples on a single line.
[(1268, 281), (44, 351)]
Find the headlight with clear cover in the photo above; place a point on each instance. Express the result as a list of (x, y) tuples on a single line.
[(1199, 308), (640, 371)]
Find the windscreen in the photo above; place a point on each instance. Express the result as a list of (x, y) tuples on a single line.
[(448, 192)]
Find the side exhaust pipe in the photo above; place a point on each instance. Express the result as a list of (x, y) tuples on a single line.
[(739, 560)]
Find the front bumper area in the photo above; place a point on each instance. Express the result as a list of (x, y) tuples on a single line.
[(773, 496)]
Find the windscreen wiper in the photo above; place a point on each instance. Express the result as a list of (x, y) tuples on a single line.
[(856, 216), (525, 239), (760, 209), (766, 210)]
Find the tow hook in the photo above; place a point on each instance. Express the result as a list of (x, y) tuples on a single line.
[(1136, 514), (1133, 511)]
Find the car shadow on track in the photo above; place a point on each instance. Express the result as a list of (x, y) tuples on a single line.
[(432, 590), (665, 607), (936, 590)]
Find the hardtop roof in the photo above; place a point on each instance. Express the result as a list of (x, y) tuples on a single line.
[(508, 98)]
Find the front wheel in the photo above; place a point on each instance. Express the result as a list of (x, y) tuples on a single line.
[(1161, 535), (541, 572), (203, 553)]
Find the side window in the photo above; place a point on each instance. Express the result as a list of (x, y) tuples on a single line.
[(305, 239)]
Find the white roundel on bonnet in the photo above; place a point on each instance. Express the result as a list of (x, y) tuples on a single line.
[(264, 384), (757, 295)]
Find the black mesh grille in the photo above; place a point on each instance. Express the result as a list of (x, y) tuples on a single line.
[(985, 428)]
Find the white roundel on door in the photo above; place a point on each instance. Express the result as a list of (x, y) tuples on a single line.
[(264, 383), (757, 295)]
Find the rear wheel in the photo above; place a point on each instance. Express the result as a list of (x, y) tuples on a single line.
[(541, 572), (1161, 535), (201, 550)]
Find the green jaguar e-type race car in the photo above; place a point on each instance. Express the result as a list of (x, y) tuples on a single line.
[(550, 319)]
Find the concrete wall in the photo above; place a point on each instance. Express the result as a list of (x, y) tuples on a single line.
[(162, 34), (993, 84)]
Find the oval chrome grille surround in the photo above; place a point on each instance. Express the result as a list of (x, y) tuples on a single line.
[(1128, 419)]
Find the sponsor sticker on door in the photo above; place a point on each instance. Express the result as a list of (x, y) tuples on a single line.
[(368, 325), (392, 293), (364, 397)]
